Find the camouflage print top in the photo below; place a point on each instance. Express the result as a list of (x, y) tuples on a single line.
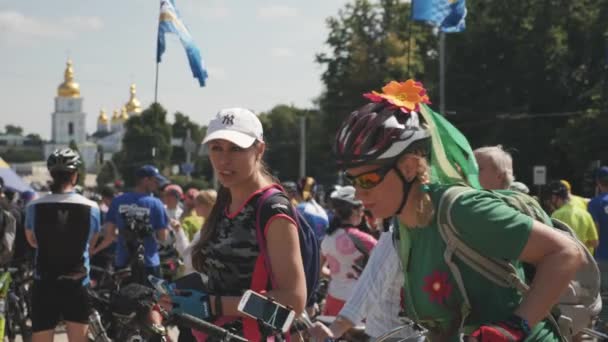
[(230, 255)]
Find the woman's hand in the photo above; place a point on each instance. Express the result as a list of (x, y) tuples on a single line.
[(175, 225), (165, 302), (319, 332)]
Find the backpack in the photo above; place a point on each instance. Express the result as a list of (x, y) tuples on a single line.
[(309, 248), (8, 229), (579, 304)]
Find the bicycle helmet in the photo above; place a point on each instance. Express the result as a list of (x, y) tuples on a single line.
[(345, 194), (378, 133), (64, 159)]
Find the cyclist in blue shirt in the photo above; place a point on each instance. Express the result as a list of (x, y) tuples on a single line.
[(138, 208), (61, 226)]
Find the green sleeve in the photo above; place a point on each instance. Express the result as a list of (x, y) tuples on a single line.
[(487, 224)]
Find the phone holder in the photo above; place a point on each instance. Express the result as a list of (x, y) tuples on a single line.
[(266, 329)]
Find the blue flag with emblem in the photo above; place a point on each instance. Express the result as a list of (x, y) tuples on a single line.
[(447, 15), (170, 21)]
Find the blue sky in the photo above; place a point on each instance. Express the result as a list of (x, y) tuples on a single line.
[(259, 53)]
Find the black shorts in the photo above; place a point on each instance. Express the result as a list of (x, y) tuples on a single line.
[(56, 300)]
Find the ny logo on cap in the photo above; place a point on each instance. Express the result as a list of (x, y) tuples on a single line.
[(228, 120)]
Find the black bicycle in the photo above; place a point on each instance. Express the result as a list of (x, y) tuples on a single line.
[(14, 299)]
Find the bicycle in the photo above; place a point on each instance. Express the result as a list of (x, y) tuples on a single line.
[(410, 329), (13, 310)]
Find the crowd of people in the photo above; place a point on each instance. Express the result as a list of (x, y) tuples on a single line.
[(381, 242)]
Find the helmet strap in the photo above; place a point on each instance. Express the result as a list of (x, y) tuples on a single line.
[(407, 186)]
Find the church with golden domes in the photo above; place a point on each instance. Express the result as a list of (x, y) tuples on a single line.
[(69, 124)]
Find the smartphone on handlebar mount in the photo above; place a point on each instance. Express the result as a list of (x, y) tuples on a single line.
[(273, 314)]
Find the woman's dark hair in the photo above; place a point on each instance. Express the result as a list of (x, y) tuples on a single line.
[(223, 200), (342, 213), (60, 179)]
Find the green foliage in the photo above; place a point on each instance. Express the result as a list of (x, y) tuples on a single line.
[(82, 168), (21, 155), (197, 183), (515, 63), (371, 44), (107, 174), (13, 129), (34, 139), (281, 134), (147, 140)]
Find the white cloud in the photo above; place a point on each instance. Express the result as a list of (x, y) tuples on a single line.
[(281, 52), (18, 28), (277, 11), (84, 23), (217, 73)]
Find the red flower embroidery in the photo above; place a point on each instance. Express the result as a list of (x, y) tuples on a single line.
[(437, 286)]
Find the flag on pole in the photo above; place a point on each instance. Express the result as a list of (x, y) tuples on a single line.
[(170, 21), (447, 15)]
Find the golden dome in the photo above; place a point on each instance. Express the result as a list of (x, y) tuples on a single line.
[(123, 114), (115, 117), (133, 106), (103, 118), (68, 88)]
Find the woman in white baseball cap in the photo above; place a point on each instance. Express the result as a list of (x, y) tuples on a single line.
[(228, 250)]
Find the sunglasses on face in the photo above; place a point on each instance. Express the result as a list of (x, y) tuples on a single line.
[(370, 179)]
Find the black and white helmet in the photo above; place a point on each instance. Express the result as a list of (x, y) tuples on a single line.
[(377, 133), (345, 194), (64, 159)]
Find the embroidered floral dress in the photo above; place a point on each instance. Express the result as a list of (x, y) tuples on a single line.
[(431, 294)]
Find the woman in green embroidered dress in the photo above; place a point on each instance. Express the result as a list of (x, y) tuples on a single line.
[(401, 158)]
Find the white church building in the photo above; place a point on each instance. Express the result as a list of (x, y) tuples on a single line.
[(69, 124)]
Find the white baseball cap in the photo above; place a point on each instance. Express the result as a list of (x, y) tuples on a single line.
[(237, 125)]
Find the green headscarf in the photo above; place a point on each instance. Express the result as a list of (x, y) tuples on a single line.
[(452, 158)]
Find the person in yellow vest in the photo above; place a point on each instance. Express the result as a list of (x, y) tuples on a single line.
[(578, 201), (557, 199)]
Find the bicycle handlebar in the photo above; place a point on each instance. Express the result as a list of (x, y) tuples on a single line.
[(192, 322)]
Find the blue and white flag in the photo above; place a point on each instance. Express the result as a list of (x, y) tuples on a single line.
[(170, 21), (447, 15)]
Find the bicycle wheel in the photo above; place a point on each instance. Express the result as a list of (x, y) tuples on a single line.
[(16, 321)]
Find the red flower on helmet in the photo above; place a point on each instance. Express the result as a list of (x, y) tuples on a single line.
[(437, 286), (404, 95)]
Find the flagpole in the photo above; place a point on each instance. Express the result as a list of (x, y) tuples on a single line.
[(442, 72), (157, 55), (409, 40), (156, 84)]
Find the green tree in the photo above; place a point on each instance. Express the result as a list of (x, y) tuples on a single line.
[(34, 139), (281, 134), (12, 129), (107, 174), (82, 168), (370, 44), (22, 155), (513, 76), (147, 140)]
